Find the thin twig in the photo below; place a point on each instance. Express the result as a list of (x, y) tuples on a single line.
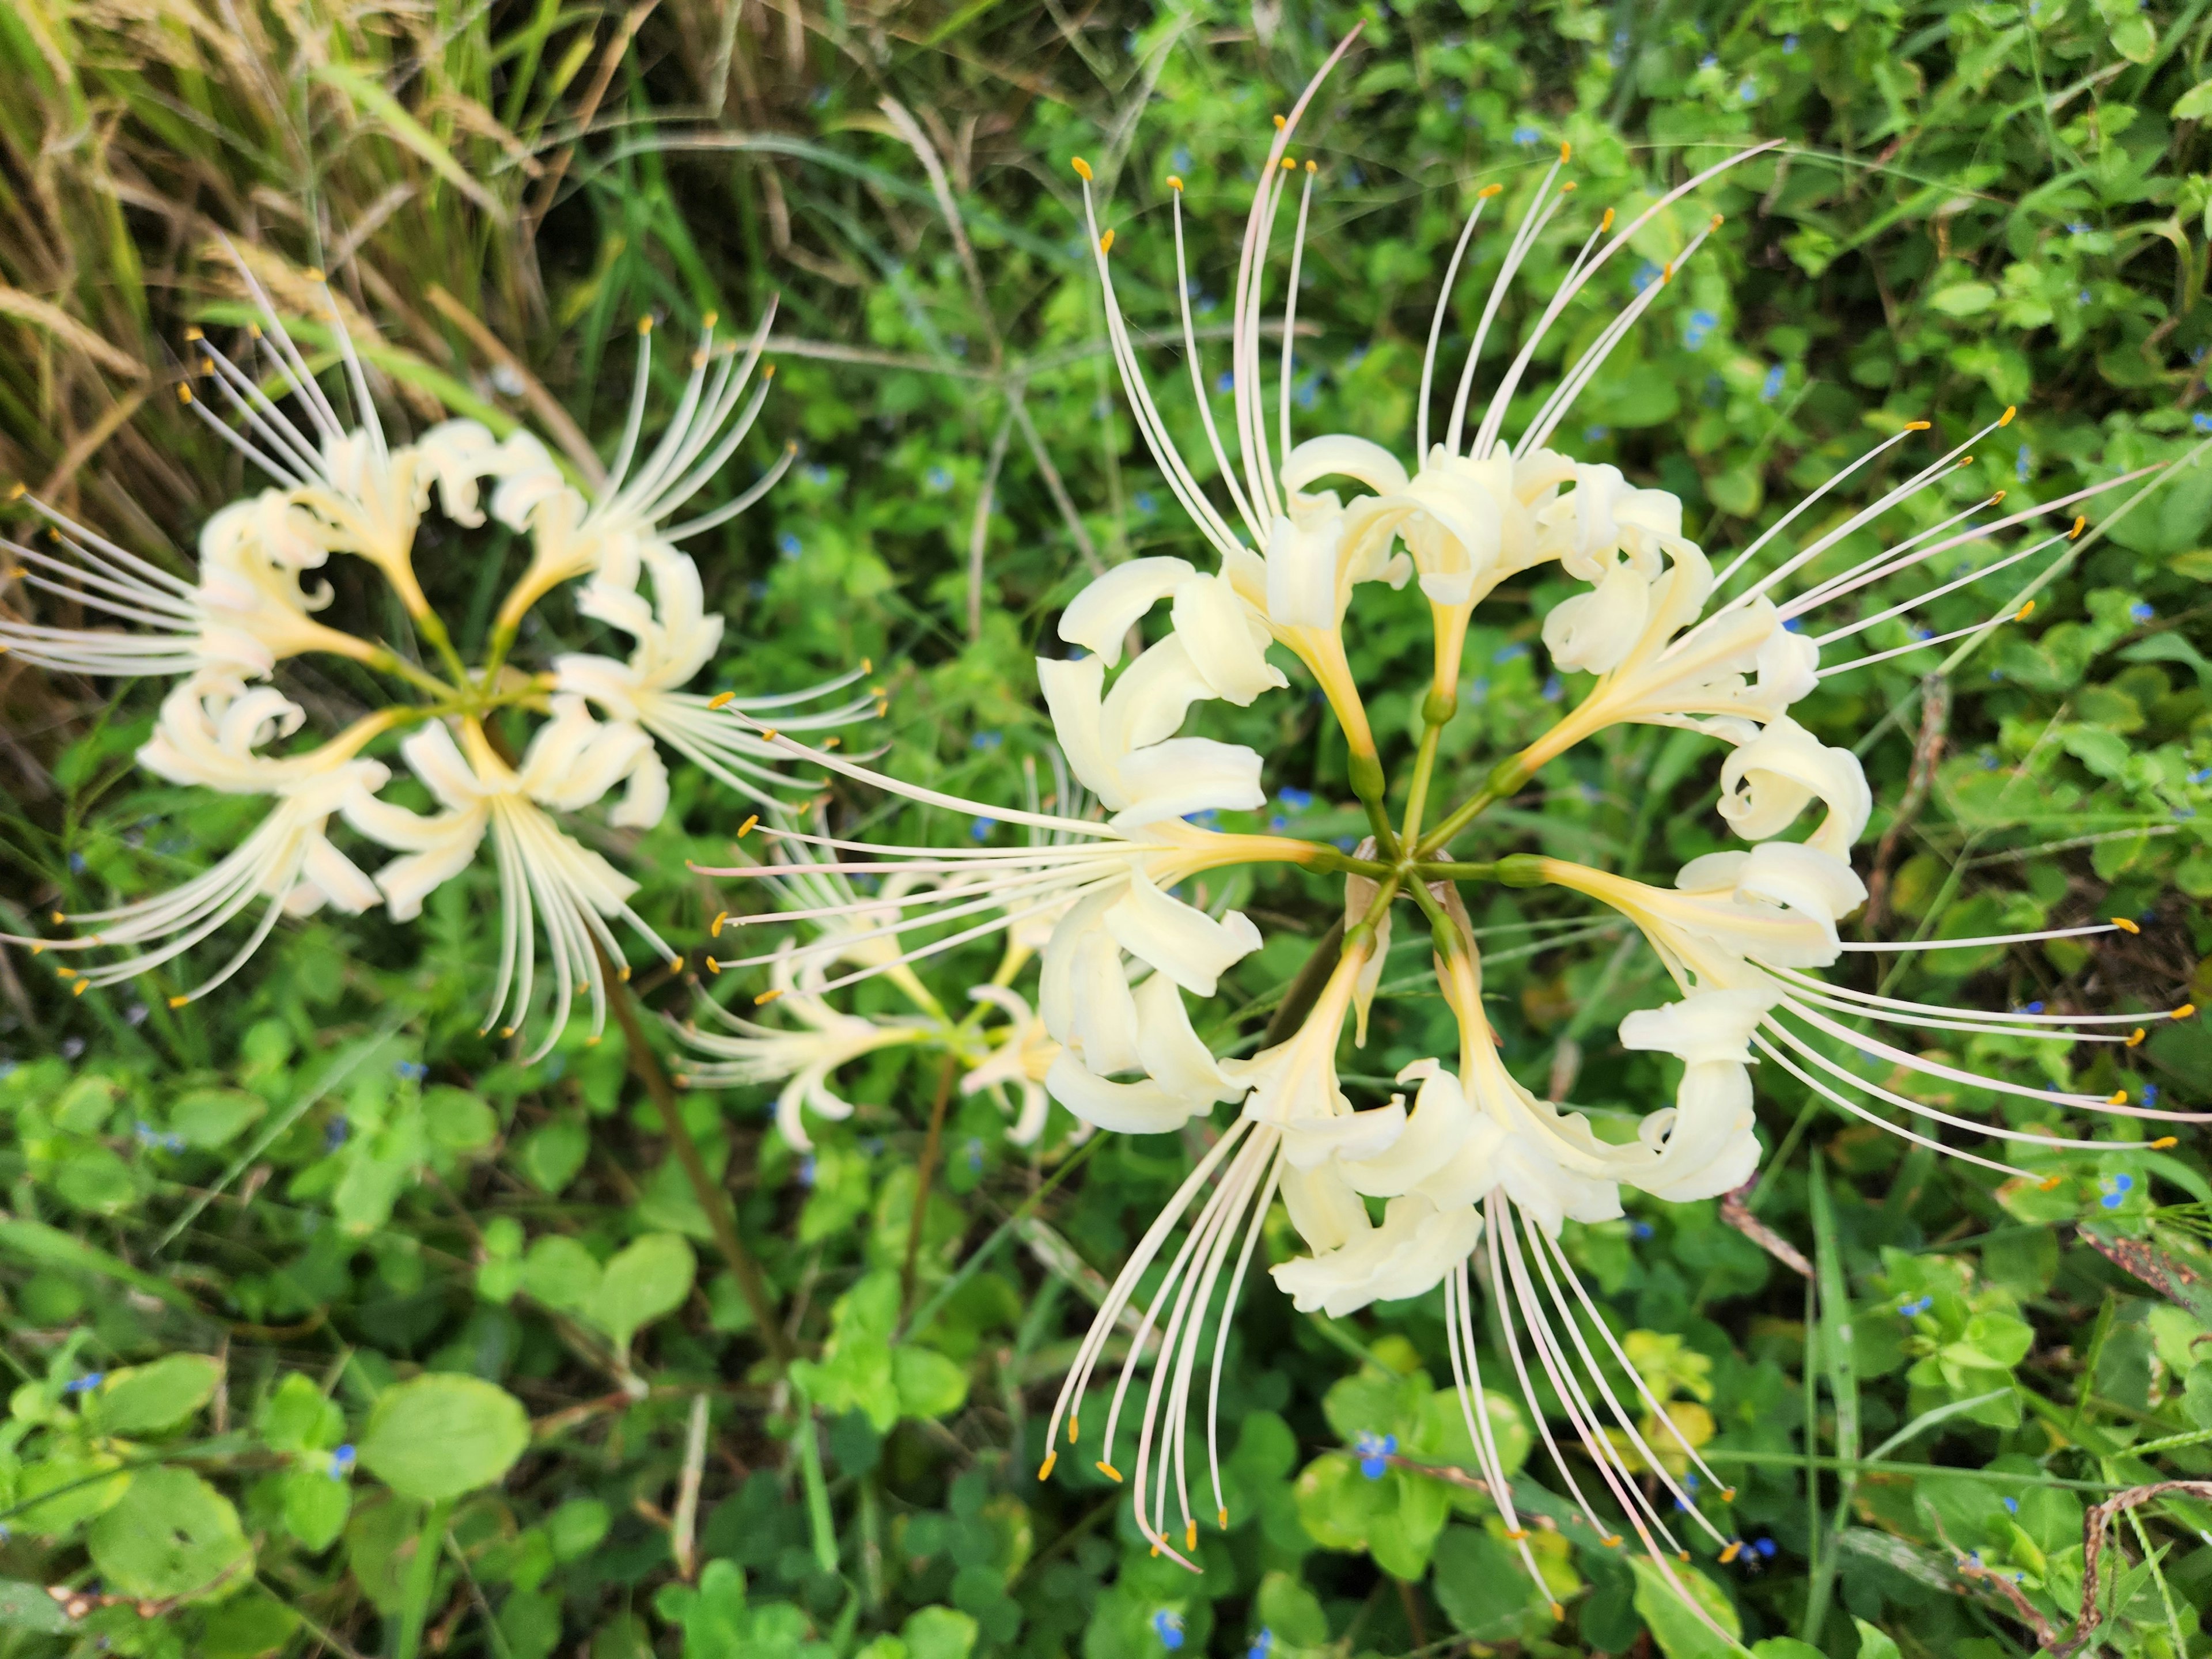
[(979, 532), (929, 1148)]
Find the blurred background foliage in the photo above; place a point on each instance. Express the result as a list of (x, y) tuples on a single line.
[(294, 1277)]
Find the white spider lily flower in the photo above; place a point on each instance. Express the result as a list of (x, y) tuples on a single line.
[(1121, 746), (1616, 538), (802, 1057), (1025, 1053), (1224, 638), (622, 526), (549, 882), (992, 889), (677, 637), (1767, 782), (209, 731), (1749, 925), (1707, 1146)]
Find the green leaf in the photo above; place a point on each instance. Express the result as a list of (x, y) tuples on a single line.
[(297, 1417), (316, 1504), (562, 1274), (939, 1633), (1483, 1588), (1785, 1647), (1677, 1630), (173, 1536), (147, 1399), (647, 1279), (2195, 104), (1290, 1610), (929, 1385), (246, 1626), (1963, 298), (83, 1485), (374, 99), (27, 1607), (439, 1435), (209, 1118), (1873, 1644), (549, 1155)]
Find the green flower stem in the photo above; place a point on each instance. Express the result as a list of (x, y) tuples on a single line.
[(1504, 781), (1369, 784), (433, 628), (385, 661), (1437, 711), (422, 1579), (1453, 870)]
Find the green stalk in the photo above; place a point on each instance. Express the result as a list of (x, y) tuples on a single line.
[(819, 1523), (1437, 711), (1504, 780), (422, 1579)]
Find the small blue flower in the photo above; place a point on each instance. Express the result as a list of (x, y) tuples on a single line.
[(2022, 463), (974, 1150), (1772, 388), (1554, 688), (1142, 501), (2035, 1007), (1294, 799), (1526, 136), (1262, 1645), (816, 474), (1748, 89), (1168, 1627), (2150, 1094), (76, 863), (1374, 1453), (1793, 624), (2201, 775), (1913, 1310), (342, 1459), (1996, 673), (2077, 228), (1596, 434), (1646, 274), (938, 480), (84, 1384), (980, 829), (1699, 328), (2201, 421), (1920, 633), (409, 1070), (1710, 60), (1509, 653), (1689, 1485), (1990, 762), (788, 545), (1640, 1230), (809, 1170), (2012, 1506), (1209, 820), (1179, 158), (1478, 689), (2083, 297), (1789, 45), (1277, 822), (1225, 382), (987, 740), (2141, 611), (335, 1132), (1765, 1546), (1342, 843)]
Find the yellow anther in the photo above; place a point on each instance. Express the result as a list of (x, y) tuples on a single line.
[(1082, 169), (645, 324), (2183, 1012), (1313, 167), (2021, 614), (1681, 1555), (768, 734), (80, 987), (183, 393), (1518, 1533), (767, 997), (1224, 1517), (721, 700), (58, 917), (1966, 461), (193, 334), (769, 373), (710, 319), (254, 329), (1074, 1428), (1728, 1494), (699, 359), (1734, 1549), (2011, 410), (1156, 1551), (1110, 1471), (1666, 272), (1106, 243), (2081, 522), (592, 1041), (1289, 166), (1567, 188), (2163, 1142), (1278, 124), (2118, 1098), (2135, 1037), (745, 827), (507, 1030), (178, 1001), (1190, 1535), (1559, 1612), (621, 972), (831, 742), (1044, 1470), (1565, 150), (2049, 1184), (1995, 499), (1606, 223), (65, 973), (867, 666), (2125, 926), (1612, 1541), (713, 966), (1175, 184), (882, 706), (1918, 425), (17, 490), (1489, 190)]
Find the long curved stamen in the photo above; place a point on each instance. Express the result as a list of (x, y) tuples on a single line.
[(1986, 623), (1894, 561), (1199, 395), (1767, 1047), (1290, 309), (1437, 322), (1467, 1374), (1524, 238), (1951, 586)]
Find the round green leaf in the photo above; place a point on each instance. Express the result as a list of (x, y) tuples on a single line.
[(173, 1535), (441, 1436), (648, 1277)]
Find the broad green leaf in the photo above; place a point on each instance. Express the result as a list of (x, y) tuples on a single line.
[(147, 1399), (297, 1417), (439, 1435), (27, 1607), (1675, 1625), (647, 1279), (173, 1536)]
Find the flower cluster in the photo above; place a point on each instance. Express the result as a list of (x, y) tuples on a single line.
[(340, 484), (1477, 1175)]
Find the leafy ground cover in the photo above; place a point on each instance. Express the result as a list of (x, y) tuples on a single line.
[(334, 1326)]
